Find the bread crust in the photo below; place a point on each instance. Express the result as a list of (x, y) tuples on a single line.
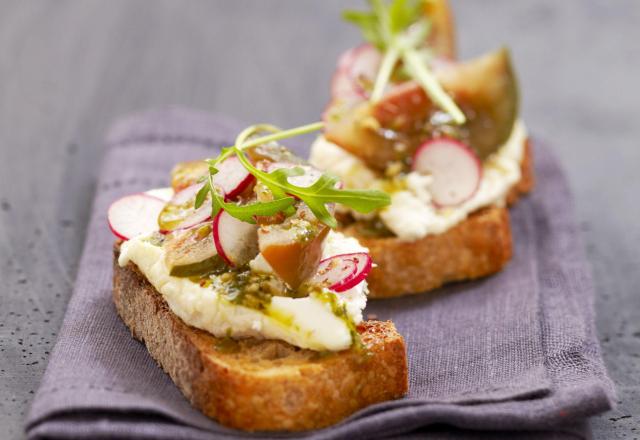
[(479, 246), (261, 385)]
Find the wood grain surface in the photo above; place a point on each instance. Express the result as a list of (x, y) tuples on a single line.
[(69, 68)]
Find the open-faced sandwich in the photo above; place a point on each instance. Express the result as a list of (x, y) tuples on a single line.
[(246, 297), (441, 136)]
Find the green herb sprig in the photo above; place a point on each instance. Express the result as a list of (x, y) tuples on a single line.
[(322, 192), (399, 29)]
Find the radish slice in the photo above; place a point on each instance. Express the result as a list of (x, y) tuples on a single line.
[(200, 215), (164, 194), (187, 194), (456, 170), (179, 212), (355, 67), (342, 272), (134, 215), (342, 86), (232, 177), (235, 240), (364, 67)]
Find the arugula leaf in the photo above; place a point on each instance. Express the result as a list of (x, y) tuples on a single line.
[(248, 212), (202, 195), (316, 196)]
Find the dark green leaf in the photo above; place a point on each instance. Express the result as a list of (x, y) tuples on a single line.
[(247, 213), (202, 195)]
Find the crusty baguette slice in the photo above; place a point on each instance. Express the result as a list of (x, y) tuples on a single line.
[(479, 246), (261, 385)]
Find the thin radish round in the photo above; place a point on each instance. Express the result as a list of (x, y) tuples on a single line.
[(186, 195), (134, 215), (164, 194), (342, 272), (356, 67), (364, 67), (232, 178), (179, 213), (456, 170), (235, 240), (200, 215)]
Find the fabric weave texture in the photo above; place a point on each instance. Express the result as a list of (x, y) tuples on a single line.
[(512, 355)]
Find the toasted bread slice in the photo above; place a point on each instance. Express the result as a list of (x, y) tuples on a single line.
[(479, 246), (261, 385)]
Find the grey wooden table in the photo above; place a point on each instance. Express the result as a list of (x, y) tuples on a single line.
[(68, 68)]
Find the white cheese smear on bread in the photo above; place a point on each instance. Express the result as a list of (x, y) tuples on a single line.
[(411, 215), (304, 322)]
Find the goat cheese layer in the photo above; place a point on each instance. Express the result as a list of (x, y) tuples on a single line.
[(411, 215), (305, 322)]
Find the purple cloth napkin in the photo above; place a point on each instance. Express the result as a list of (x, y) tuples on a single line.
[(515, 353)]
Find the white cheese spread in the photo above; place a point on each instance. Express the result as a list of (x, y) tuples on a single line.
[(305, 322), (411, 214)]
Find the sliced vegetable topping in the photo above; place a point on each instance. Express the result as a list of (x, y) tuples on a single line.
[(356, 72), (342, 272), (179, 213), (235, 240), (455, 168), (134, 215), (191, 252), (232, 178)]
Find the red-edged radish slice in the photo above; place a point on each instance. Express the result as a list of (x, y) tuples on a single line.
[(342, 85), (456, 170), (178, 213), (235, 240), (187, 194), (200, 215), (342, 272), (355, 67), (232, 178), (364, 67), (134, 215)]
